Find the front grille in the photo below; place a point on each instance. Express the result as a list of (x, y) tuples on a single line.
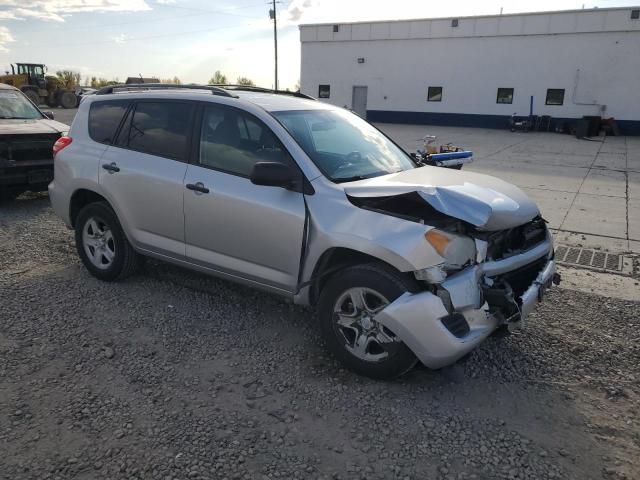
[(521, 279), (17, 148), (505, 243)]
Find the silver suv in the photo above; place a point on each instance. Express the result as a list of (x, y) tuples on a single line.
[(404, 262)]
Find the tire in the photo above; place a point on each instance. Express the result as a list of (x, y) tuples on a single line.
[(102, 245), (375, 283), (33, 96), (68, 99), (8, 195)]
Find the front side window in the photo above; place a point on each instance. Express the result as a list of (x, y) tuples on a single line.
[(434, 94), (233, 142), (342, 145), (104, 118), (555, 96), (14, 104), (324, 91), (505, 95), (160, 128)]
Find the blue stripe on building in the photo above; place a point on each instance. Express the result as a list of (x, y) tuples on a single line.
[(626, 127)]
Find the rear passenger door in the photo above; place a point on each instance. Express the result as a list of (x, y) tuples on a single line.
[(143, 172), (231, 225)]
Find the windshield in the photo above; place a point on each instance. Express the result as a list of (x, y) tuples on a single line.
[(14, 105), (342, 145)]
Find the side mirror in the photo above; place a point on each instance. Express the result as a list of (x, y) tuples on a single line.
[(48, 114), (272, 174)]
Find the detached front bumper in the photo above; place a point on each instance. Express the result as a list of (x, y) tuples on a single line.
[(442, 328)]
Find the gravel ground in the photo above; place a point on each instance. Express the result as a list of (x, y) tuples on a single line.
[(174, 375)]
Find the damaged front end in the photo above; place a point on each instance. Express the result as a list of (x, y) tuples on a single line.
[(488, 277)]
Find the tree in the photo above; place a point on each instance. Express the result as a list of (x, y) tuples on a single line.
[(68, 79), (296, 87), (245, 81), (174, 80), (218, 78), (102, 82)]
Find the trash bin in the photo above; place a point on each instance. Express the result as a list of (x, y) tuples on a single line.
[(582, 128), (593, 130)]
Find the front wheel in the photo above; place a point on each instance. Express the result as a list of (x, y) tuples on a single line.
[(347, 311), (102, 244)]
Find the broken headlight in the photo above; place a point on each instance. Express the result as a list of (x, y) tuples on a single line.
[(458, 251)]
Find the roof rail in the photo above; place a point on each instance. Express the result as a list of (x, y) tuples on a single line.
[(253, 88), (215, 90)]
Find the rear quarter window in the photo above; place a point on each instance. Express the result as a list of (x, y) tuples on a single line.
[(104, 119)]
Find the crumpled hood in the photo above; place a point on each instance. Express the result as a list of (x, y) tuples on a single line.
[(483, 201), (24, 127)]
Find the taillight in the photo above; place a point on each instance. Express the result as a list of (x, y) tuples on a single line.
[(61, 143)]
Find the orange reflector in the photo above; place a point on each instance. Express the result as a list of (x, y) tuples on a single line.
[(438, 240)]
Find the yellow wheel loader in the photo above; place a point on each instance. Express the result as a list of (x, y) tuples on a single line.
[(30, 79)]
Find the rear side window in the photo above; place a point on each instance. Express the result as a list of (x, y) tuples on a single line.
[(104, 118), (159, 128)]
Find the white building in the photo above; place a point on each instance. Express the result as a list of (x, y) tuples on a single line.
[(477, 71)]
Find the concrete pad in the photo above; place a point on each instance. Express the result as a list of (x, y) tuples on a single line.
[(634, 186), (609, 285), (633, 163), (634, 219), (559, 159), (553, 205), (595, 242), (564, 179), (597, 215), (634, 246), (614, 161), (605, 182)]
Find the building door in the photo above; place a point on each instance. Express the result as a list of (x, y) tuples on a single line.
[(359, 101)]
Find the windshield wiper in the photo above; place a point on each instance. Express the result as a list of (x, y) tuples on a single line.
[(355, 178), (17, 118)]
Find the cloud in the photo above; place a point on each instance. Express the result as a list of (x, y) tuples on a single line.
[(297, 9), (5, 38), (122, 38), (165, 2), (57, 10)]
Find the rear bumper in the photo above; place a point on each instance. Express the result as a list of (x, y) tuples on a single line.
[(421, 320), (59, 203), (28, 173)]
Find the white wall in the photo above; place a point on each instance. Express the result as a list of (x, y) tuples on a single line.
[(398, 68)]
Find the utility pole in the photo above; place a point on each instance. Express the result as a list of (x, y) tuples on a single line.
[(272, 14)]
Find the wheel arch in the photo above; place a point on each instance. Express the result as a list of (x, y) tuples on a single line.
[(335, 259), (79, 199)]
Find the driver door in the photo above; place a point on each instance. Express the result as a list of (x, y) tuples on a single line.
[(231, 225)]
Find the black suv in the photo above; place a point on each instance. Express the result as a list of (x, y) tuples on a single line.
[(27, 136)]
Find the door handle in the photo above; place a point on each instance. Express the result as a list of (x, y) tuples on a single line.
[(197, 187), (111, 167)]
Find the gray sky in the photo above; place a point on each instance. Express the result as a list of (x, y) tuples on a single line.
[(192, 39)]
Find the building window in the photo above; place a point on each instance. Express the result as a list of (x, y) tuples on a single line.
[(336, 28), (324, 91), (434, 94), (505, 95), (555, 96), (635, 14), (454, 22)]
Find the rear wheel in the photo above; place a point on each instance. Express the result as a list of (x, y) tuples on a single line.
[(102, 244), (33, 96), (348, 307), (68, 99)]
